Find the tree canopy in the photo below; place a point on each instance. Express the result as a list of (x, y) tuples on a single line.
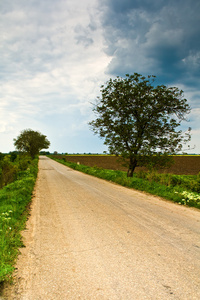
[(31, 142), (138, 119)]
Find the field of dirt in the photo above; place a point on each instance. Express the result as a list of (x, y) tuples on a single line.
[(183, 165)]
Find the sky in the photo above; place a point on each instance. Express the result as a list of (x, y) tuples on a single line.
[(56, 54)]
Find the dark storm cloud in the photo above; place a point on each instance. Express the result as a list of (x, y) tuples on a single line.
[(154, 37)]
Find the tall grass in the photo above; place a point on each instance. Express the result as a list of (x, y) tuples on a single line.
[(182, 189), (14, 200)]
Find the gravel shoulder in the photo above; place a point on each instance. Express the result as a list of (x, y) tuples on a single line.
[(90, 239)]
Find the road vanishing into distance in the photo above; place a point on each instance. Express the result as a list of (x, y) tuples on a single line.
[(88, 238)]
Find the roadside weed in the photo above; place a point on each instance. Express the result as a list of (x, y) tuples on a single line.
[(190, 198)]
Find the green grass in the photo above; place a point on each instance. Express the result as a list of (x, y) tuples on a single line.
[(182, 189), (14, 200)]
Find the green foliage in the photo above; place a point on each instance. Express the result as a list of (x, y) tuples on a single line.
[(14, 199), (176, 188), (188, 182), (13, 155), (139, 120), (8, 171), (31, 142), (12, 167), (2, 156), (191, 199)]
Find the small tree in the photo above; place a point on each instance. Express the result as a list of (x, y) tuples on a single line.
[(138, 119), (31, 142)]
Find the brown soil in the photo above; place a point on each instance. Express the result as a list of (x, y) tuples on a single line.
[(183, 165)]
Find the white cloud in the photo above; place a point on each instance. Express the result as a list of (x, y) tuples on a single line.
[(192, 60), (52, 63)]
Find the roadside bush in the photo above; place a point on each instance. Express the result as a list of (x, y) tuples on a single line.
[(8, 171), (189, 182), (2, 156), (24, 161), (13, 167), (13, 156), (14, 200)]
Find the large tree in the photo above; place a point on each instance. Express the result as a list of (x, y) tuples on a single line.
[(31, 142), (138, 119)]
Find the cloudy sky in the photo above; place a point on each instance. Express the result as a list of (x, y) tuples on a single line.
[(55, 55)]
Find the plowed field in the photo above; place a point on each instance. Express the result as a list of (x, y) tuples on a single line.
[(183, 165)]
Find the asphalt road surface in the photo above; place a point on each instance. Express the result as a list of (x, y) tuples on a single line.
[(90, 239)]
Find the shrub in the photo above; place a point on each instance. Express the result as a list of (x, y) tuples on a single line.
[(14, 199), (8, 171)]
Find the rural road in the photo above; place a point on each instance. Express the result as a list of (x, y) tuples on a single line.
[(90, 239)]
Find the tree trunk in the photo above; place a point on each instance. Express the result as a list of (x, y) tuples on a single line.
[(132, 166)]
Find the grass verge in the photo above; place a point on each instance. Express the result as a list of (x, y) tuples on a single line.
[(14, 201), (175, 188)]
